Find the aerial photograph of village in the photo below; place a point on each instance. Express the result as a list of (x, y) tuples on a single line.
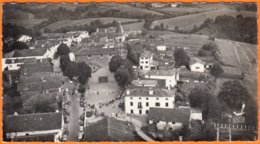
[(129, 72)]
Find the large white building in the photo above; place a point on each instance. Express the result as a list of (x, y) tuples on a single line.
[(168, 78), (139, 100)]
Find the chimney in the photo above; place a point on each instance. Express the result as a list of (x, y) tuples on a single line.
[(127, 92), (150, 92)]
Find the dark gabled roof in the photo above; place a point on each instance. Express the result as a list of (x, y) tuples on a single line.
[(180, 115), (136, 91), (108, 129), (39, 86), (97, 51), (189, 75), (30, 68), (36, 138), (33, 122), (30, 52), (196, 60)]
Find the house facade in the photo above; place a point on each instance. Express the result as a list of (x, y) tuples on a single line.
[(169, 78), (139, 100), (146, 61), (196, 65)]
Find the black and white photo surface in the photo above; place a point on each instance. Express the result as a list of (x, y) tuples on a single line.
[(129, 72)]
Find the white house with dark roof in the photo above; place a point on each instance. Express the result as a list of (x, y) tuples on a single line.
[(139, 100), (168, 78), (146, 61), (163, 118), (36, 124), (197, 65)]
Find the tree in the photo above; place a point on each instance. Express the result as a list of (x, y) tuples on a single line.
[(64, 61), (181, 57), (71, 70), (63, 49), (199, 96), (233, 93), (216, 70), (122, 77), (115, 63), (84, 72), (81, 89)]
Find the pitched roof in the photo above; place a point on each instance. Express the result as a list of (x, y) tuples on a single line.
[(34, 138), (144, 92), (180, 115), (162, 72), (97, 51), (30, 52), (108, 129), (196, 60), (146, 54), (144, 82), (30, 68), (33, 122), (189, 75), (231, 70), (39, 86)]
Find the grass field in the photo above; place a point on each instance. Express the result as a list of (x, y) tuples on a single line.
[(133, 26), (26, 23), (188, 21), (64, 23), (123, 8)]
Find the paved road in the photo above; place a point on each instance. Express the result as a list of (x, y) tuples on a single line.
[(73, 125)]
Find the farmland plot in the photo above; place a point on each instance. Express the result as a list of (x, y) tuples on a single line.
[(188, 21), (26, 23), (228, 52)]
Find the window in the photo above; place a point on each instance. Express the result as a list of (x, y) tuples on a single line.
[(147, 98), (131, 97), (197, 67), (166, 98), (140, 98), (132, 111), (157, 98), (103, 79), (140, 111), (131, 103), (146, 66), (157, 104), (146, 111), (166, 104), (146, 62), (147, 104), (139, 105)]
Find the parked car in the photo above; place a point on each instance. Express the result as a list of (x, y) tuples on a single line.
[(82, 104), (81, 128), (67, 119), (80, 135)]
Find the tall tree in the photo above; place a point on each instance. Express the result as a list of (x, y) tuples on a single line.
[(199, 96), (71, 70), (216, 70), (84, 72), (181, 57), (64, 61), (63, 49), (115, 63), (233, 93), (122, 77)]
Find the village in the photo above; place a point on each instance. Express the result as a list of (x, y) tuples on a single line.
[(117, 84)]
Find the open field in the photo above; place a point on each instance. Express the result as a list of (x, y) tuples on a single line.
[(133, 26), (26, 23), (188, 21), (64, 23), (122, 8)]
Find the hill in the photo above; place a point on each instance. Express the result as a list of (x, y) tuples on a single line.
[(66, 23), (187, 22)]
